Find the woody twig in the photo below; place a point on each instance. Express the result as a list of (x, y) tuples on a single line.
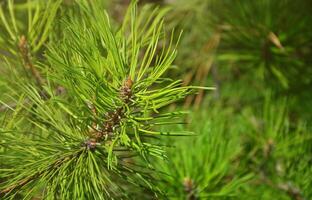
[(26, 57), (113, 118)]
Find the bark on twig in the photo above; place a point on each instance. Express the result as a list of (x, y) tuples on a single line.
[(26, 57), (189, 189), (113, 118)]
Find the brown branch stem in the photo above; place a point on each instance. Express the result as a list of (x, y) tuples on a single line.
[(113, 118), (189, 189), (26, 57)]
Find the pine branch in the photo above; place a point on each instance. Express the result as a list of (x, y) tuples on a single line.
[(28, 64), (292, 191), (34, 177), (113, 118), (12, 105), (115, 93), (189, 189)]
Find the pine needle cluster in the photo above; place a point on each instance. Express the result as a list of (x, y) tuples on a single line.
[(86, 103)]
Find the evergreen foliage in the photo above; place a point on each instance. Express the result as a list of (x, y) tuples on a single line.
[(95, 102), (205, 166), (95, 108)]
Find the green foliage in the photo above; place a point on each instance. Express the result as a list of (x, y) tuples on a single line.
[(278, 151), (206, 165), (33, 20), (99, 104), (39, 17), (89, 98), (252, 154), (265, 41)]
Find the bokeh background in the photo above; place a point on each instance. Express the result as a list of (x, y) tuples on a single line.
[(254, 129)]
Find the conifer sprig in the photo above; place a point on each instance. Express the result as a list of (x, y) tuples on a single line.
[(96, 139)]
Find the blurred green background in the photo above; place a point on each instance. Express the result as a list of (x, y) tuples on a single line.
[(254, 130)]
